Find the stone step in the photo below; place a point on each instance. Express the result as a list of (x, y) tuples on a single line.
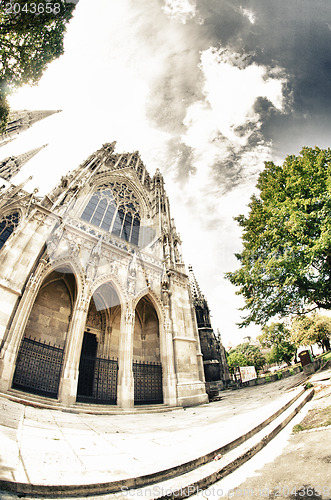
[(185, 479), (225, 462), (38, 401)]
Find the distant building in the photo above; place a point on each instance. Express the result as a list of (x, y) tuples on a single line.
[(95, 299), (213, 352)]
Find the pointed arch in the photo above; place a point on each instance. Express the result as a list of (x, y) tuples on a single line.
[(51, 313), (40, 356), (147, 357), (115, 282), (155, 301), (130, 178), (67, 266), (97, 379)]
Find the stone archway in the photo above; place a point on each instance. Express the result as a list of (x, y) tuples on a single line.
[(147, 368), (98, 367), (40, 356)]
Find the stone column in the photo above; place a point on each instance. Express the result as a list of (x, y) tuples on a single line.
[(70, 372), (27, 242), (125, 387), (168, 363), (15, 334)]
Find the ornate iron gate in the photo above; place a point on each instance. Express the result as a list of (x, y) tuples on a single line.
[(38, 368), (97, 381), (147, 382)]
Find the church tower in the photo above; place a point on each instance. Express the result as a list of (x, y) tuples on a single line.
[(11, 166), (96, 303), (214, 358), (19, 121)]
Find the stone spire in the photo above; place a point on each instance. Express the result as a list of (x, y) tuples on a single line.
[(195, 289), (10, 166), (214, 358), (20, 121)]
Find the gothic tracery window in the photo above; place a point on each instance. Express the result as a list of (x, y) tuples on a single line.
[(7, 226), (115, 208)]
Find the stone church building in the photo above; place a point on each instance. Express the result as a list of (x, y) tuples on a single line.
[(96, 304)]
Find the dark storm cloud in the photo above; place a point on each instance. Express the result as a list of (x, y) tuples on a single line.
[(293, 38), (183, 156)]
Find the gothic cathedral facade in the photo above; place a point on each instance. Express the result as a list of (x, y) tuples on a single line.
[(96, 304)]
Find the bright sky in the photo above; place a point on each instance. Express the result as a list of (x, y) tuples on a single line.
[(206, 91)]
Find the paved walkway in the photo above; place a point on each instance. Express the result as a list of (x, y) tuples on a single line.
[(290, 467), (42, 446)]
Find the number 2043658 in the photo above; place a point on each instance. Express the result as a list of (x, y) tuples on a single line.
[(31, 8)]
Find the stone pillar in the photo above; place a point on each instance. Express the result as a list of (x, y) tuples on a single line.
[(22, 235), (70, 372), (125, 387), (13, 341), (168, 363), (27, 242)]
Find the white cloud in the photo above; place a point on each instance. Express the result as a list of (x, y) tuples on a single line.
[(180, 10), (232, 87), (249, 14)]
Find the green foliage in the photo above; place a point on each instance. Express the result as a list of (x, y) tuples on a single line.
[(29, 41), (246, 354), (309, 330), (236, 359), (278, 338), (285, 265), (297, 428), (4, 112), (279, 375)]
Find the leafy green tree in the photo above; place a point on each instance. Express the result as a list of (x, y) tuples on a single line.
[(236, 359), (285, 265), (277, 338), (246, 354), (31, 36), (321, 331), (312, 330), (300, 331), (4, 113)]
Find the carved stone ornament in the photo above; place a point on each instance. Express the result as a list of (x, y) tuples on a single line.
[(129, 316), (113, 268), (131, 285), (55, 238), (132, 273), (33, 282)]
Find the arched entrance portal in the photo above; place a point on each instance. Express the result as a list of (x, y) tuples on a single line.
[(147, 368), (98, 367), (40, 357)]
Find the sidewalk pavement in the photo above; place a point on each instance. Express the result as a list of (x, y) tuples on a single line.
[(291, 466), (52, 447)]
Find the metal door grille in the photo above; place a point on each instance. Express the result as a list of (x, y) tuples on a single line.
[(147, 382), (97, 380), (38, 368)]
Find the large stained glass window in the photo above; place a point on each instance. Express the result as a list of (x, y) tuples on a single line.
[(115, 208), (7, 226)]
